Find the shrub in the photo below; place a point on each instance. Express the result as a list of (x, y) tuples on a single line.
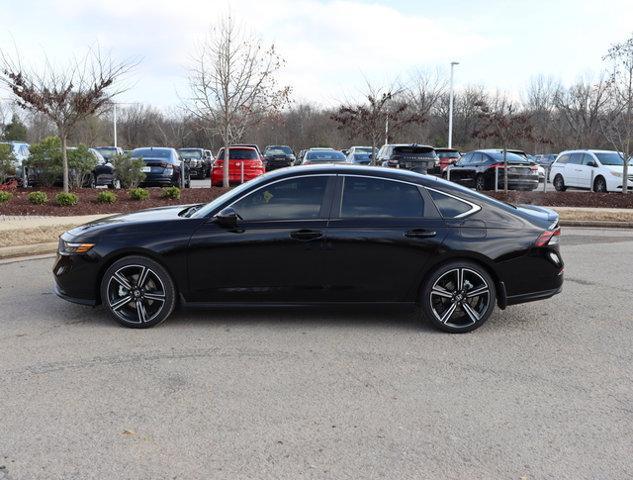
[(37, 198), (106, 197), (7, 162), (66, 199), (128, 170), (139, 194), (46, 161), (171, 192), (81, 163), (5, 196)]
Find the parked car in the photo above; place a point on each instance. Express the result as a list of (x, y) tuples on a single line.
[(323, 155), (359, 155), (252, 145), (418, 158), (278, 156), (21, 153), (302, 154), (244, 164), (544, 162), (163, 167), (597, 170), (395, 237), (108, 152), (199, 163), (477, 169), (447, 156)]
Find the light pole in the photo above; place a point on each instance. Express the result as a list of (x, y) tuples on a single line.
[(450, 108), (114, 123)]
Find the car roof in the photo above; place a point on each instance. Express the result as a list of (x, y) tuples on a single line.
[(191, 148), (585, 150), (409, 145)]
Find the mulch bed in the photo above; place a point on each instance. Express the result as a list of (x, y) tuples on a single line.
[(19, 205), (567, 199)]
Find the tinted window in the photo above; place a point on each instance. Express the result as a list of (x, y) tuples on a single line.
[(477, 158), (293, 199), (511, 157), (449, 207), (372, 197), (610, 158), (413, 152), (575, 158), (239, 154), (152, 152), (325, 156)]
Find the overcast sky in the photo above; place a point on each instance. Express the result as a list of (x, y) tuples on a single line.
[(330, 46)]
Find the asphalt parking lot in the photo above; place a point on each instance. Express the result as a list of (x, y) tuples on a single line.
[(542, 391)]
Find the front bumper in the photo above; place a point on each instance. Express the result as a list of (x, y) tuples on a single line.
[(75, 277)]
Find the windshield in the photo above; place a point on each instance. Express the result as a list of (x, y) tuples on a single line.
[(190, 153), (611, 158), (283, 150), (151, 153), (316, 157), (362, 150), (448, 154), (107, 152)]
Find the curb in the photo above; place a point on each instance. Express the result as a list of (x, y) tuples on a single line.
[(28, 250), (595, 224)]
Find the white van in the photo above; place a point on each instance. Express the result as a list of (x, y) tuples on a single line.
[(597, 170)]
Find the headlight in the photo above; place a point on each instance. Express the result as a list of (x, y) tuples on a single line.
[(68, 248), (616, 174)]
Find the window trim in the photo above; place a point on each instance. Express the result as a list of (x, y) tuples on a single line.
[(474, 207), (325, 202)]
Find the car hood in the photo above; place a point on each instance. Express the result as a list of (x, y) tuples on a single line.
[(115, 222)]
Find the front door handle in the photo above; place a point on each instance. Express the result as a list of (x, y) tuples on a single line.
[(306, 234), (420, 233)]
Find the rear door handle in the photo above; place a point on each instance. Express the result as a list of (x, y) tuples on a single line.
[(420, 233), (306, 234)]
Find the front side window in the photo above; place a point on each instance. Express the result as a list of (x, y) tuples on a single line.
[(292, 199), (373, 197), (448, 206)]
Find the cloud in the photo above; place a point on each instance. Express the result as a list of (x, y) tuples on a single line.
[(329, 46)]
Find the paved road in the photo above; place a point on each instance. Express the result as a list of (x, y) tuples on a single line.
[(542, 391)]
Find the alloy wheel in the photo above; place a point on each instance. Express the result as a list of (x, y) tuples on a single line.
[(136, 294), (460, 298)]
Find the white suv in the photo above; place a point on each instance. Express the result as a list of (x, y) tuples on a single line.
[(597, 170)]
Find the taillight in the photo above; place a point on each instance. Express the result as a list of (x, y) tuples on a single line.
[(548, 237), (534, 168), (497, 165)]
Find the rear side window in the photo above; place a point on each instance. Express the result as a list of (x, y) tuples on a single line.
[(448, 206), (576, 158), (292, 199), (373, 197)]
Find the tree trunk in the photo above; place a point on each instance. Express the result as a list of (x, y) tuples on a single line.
[(62, 136), (505, 170), (225, 166)]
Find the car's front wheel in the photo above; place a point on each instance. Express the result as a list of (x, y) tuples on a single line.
[(458, 297), (138, 292), (599, 185)]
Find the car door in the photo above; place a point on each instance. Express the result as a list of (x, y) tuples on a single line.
[(458, 169), (381, 234), (275, 253), (573, 170), (587, 168)]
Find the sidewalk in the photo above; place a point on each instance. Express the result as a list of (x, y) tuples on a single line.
[(32, 235)]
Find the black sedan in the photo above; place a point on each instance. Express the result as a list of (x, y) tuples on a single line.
[(278, 156), (323, 234), (163, 167), (480, 168)]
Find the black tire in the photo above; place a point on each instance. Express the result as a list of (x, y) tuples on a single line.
[(119, 283), (480, 182), (440, 294), (600, 185), (559, 183)]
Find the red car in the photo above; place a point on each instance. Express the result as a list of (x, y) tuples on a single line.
[(448, 156), (245, 163)]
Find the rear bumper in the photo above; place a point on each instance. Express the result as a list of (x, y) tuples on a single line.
[(159, 180), (533, 296)]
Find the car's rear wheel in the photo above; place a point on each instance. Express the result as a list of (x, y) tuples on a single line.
[(559, 183), (600, 185), (138, 292), (458, 297)]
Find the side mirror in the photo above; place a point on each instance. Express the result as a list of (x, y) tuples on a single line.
[(592, 164), (227, 218)]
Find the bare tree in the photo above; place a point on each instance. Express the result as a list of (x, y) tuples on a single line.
[(233, 83), (501, 120), (540, 102), (384, 110), (425, 92), (67, 95), (617, 120)]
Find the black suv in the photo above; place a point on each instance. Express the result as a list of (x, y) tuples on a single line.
[(278, 156), (477, 169), (200, 161), (414, 157)]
